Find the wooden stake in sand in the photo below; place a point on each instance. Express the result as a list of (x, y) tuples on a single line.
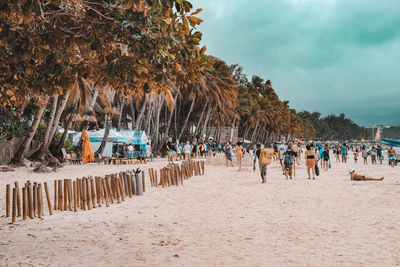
[(18, 199), (8, 200), (156, 178), (24, 203), (60, 196), (93, 190), (55, 195), (65, 194), (30, 204), (128, 177), (46, 190), (39, 200), (103, 183), (35, 204), (88, 195), (143, 182), (14, 206), (75, 206)]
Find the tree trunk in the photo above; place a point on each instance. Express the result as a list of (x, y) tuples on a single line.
[(140, 116), (107, 127), (201, 119), (203, 131), (147, 121), (131, 105), (187, 118), (254, 133), (120, 114), (41, 152), (246, 132), (61, 107), (157, 122), (23, 150), (166, 133), (61, 142)]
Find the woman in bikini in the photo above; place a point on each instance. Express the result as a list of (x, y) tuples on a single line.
[(310, 161), (239, 154)]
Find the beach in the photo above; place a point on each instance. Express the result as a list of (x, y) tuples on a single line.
[(224, 218)]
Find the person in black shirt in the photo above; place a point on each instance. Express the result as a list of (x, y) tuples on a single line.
[(169, 150), (325, 156), (288, 162)]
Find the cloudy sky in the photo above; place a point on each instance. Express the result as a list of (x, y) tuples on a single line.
[(330, 56)]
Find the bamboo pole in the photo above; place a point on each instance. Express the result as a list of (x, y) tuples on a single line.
[(70, 194), (93, 190), (30, 204), (155, 178), (75, 200), (60, 196), (78, 193), (35, 204), (48, 198), (121, 188), (8, 200), (128, 176), (14, 206), (55, 195), (39, 200), (109, 192), (143, 182), (65, 194), (18, 200), (103, 183), (24, 203)]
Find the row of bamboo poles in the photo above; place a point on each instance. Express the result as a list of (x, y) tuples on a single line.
[(174, 174), (92, 192)]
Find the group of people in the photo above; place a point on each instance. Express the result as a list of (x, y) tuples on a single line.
[(316, 154), (130, 151), (188, 150)]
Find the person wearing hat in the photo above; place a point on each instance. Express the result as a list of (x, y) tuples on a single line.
[(356, 177)]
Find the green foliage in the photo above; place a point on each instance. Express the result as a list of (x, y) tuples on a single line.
[(333, 127), (39, 135), (12, 127)]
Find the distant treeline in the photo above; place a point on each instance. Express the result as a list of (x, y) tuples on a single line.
[(391, 133), (333, 127)]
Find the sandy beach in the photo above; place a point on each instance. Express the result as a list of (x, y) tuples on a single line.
[(224, 218)]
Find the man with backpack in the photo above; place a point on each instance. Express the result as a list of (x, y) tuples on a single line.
[(288, 160), (264, 157)]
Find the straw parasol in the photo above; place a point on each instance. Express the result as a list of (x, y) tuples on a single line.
[(75, 117), (111, 111), (89, 117)]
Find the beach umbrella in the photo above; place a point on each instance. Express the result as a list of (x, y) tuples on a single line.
[(115, 111), (108, 110), (89, 117), (75, 117), (87, 150)]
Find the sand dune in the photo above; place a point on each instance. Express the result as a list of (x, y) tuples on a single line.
[(225, 218)]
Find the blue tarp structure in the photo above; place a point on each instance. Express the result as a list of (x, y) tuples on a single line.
[(97, 137), (391, 142), (135, 137)]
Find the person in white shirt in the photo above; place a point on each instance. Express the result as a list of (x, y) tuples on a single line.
[(130, 151), (148, 152)]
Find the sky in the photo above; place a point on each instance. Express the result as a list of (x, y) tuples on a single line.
[(330, 56)]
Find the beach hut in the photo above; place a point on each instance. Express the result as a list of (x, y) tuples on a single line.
[(96, 137), (137, 138)]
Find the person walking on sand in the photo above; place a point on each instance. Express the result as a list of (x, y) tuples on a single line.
[(228, 153), (288, 161), (326, 158), (337, 153), (344, 153), (187, 149), (239, 154), (392, 156), (379, 153), (264, 157), (355, 154), (148, 152), (356, 177), (310, 161), (364, 154), (373, 155), (282, 149)]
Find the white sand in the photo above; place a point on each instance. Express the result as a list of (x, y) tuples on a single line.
[(225, 218)]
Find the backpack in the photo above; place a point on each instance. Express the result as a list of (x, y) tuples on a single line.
[(288, 158), (265, 158)]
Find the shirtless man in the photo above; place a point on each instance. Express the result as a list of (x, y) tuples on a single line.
[(356, 177)]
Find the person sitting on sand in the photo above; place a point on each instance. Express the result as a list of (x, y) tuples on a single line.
[(356, 177)]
